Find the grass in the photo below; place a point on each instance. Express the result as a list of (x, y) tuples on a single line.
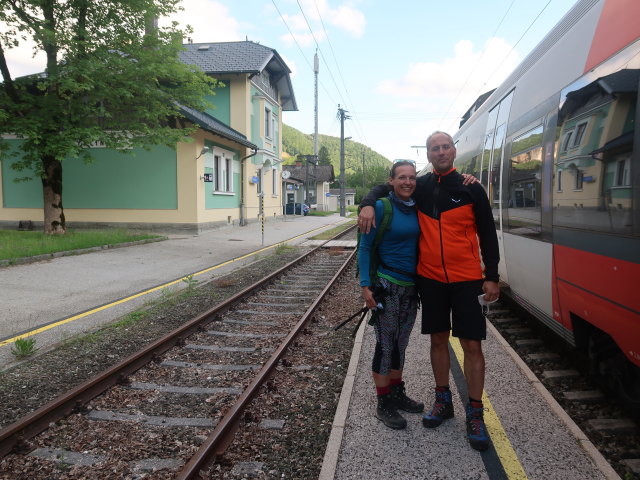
[(24, 347), (14, 244), (315, 213), (333, 232)]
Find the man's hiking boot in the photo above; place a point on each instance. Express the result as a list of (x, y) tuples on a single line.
[(441, 411), (476, 429), (387, 413), (403, 402)]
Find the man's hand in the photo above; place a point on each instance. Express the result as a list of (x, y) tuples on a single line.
[(469, 179), (491, 290), (366, 219), (367, 294)]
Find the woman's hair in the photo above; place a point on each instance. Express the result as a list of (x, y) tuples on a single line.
[(400, 163)]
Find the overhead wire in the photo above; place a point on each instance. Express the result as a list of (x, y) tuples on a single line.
[(300, 48), (511, 50), (477, 63)]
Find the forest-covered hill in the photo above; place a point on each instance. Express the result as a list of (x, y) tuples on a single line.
[(376, 167)]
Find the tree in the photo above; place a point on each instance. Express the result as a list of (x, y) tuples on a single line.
[(112, 77), (323, 156)]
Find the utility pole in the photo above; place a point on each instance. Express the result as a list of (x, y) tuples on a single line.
[(342, 116), (363, 169), (316, 69)]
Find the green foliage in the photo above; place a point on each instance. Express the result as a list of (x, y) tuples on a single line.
[(376, 167), (24, 347), (14, 244), (106, 81), (190, 281), (283, 248)]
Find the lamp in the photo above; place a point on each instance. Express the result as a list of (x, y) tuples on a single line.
[(204, 150)]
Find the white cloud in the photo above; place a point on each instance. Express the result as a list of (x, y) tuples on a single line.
[(210, 20), (460, 78), (349, 19)]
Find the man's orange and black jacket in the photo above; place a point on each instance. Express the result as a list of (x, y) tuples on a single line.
[(452, 218)]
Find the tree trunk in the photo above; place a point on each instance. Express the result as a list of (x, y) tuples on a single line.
[(54, 222)]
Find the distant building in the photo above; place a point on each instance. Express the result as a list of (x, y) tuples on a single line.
[(334, 198)]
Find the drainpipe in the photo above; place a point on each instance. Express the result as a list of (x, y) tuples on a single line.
[(243, 186)]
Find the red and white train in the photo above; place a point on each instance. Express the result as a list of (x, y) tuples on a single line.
[(557, 147)]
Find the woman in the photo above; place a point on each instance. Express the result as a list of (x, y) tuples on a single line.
[(393, 288)]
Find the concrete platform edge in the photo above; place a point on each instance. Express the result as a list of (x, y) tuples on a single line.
[(330, 462), (559, 412)]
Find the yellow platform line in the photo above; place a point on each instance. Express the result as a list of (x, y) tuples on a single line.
[(38, 330), (507, 455)]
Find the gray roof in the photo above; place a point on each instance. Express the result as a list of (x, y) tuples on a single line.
[(213, 125), (242, 57), (347, 191), (323, 173)]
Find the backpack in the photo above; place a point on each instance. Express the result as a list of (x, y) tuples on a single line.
[(385, 222)]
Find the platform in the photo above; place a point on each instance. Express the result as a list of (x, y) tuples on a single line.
[(532, 437)]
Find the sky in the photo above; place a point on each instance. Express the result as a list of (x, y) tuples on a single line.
[(400, 69)]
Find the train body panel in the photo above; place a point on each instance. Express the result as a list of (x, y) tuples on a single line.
[(554, 148)]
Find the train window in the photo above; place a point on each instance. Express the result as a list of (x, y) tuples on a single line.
[(594, 147), (525, 184)]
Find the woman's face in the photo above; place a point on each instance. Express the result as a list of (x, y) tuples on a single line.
[(404, 181)]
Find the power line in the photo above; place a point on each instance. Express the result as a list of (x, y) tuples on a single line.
[(510, 51)]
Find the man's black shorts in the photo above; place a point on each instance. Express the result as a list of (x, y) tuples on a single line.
[(447, 305)]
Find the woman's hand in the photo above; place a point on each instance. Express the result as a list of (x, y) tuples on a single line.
[(367, 294), (366, 219), (469, 179)]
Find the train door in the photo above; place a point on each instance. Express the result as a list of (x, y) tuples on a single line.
[(492, 167)]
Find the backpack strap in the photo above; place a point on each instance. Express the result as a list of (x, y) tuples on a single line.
[(385, 224)]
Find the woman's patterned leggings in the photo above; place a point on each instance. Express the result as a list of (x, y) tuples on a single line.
[(393, 326)]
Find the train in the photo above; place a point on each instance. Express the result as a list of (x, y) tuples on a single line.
[(557, 148)]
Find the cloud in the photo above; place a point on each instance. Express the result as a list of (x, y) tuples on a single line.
[(349, 19), (210, 20), (460, 78)]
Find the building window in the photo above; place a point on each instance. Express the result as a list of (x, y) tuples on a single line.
[(222, 174), (622, 173), (567, 140), (559, 173), (267, 123), (580, 129), (579, 180), (274, 181)]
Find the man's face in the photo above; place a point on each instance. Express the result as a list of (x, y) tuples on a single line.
[(441, 153)]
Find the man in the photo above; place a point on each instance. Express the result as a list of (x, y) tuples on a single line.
[(452, 218)]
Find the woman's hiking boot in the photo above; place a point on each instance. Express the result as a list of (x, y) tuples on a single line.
[(387, 413), (441, 411), (403, 402), (476, 429)]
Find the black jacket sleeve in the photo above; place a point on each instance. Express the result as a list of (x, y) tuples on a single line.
[(486, 232), (379, 191)]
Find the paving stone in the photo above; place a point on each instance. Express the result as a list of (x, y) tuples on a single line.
[(218, 348), (559, 374), (249, 322), (518, 330), (543, 356), (633, 464), (529, 342), (256, 312), (272, 424), (192, 390), (208, 366), (152, 420), (613, 425), (67, 457), (246, 335), (151, 465), (584, 396), (251, 469), (504, 320)]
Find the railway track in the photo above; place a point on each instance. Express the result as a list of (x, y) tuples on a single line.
[(174, 407), (564, 372)]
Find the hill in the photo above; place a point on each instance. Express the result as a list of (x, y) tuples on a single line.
[(376, 166)]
